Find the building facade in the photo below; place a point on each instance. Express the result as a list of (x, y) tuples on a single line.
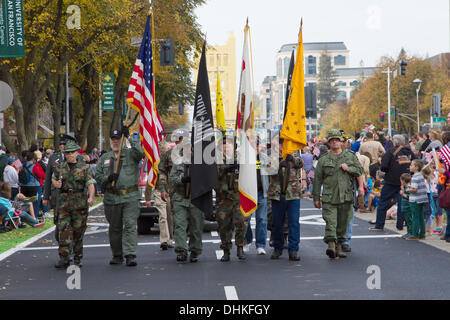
[(222, 60)]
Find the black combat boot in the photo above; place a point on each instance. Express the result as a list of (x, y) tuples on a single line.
[(116, 260), (275, 255), (181, 257), (226, 255), (131, 261), (164, 246), (193, 257), (331, 251), (77, 262), (346, 248), (240, 253), (62, 263), (339, 252)]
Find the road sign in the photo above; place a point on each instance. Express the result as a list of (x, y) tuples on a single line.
[(12, 37), (108, 91), (6, 95), (439, 119)]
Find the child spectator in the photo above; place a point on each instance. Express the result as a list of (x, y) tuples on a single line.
[(428, 212), (405, 179), (417, 199), (438, 213)]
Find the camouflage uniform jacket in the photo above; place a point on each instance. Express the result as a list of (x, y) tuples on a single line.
[(228, 182), (75, 182), (176, 187), (337, 184), (294, 186), (128, 174)]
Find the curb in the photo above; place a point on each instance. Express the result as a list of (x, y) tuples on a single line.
[(26, 243)]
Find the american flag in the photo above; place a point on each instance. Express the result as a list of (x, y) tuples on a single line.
[(141, 96)]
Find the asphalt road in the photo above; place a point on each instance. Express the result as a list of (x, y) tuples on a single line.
[(407, 269)]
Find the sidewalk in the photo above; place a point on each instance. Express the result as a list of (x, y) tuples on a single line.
[(433, 240)]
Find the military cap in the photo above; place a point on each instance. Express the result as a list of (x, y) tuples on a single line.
[(334, 134), (178, 134), (63, 138), (116, 134), (71, 146)]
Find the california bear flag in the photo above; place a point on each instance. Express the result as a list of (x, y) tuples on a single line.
[(248, 188)]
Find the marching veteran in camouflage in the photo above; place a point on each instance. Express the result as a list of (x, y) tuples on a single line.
[(336, 171), (186, 215), (228, 208), (72, 178), (121, 198), (284, 192)]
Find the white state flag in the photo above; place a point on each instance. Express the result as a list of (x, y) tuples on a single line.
[(248, 188)]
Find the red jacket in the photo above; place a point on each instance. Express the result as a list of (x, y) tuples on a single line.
[(39, 173)]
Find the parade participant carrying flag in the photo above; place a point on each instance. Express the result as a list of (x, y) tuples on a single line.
[(203, 168), (220, 117), (141, 97), (294, 127), (248, 187)]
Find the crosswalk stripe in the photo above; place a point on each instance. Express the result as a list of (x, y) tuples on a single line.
[(230, 293)]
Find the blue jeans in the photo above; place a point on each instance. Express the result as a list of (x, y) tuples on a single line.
[(279, 210), (447, 229), (349, 229), (28, 218), (40, 195), (261, 223), (387, 193)]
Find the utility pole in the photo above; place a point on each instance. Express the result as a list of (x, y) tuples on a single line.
[(100, 115), (389, 101), (67, 100)]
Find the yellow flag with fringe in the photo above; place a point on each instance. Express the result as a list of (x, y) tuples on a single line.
[(294, 126)]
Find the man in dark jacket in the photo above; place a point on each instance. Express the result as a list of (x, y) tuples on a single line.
[(394, 163)]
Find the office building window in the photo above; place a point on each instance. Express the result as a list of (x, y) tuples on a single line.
[(339, 60), (225, 60), (211, 60), (279, 68), (218, 60), (287, 61), (311, 65), (341, 95)]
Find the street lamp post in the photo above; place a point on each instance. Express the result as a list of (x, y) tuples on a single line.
[(417, 95)]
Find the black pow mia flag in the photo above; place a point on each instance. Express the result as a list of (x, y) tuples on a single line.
[(289, 79), (203, 168)]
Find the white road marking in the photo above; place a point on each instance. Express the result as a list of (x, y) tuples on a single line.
[(214, 234), (98, 224), (230, 293), (381, 236), (219, 254)]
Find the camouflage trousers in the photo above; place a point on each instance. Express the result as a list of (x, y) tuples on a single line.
[(229, 216), (72, 224)]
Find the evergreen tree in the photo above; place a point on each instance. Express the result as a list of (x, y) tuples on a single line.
[(326, 91)]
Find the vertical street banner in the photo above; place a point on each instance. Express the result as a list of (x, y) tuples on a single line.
[(108, 91), (12, 37), (294, 126), (248, 186), (203, 168)]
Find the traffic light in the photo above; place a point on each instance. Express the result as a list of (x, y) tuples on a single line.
[(167, 55), (403, 65), (437, 101), (394, 113), (382, 116)]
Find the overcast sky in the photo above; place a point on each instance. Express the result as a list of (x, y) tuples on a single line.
[(369, 28)]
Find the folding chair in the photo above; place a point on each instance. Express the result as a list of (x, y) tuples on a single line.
[(11, 217)]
